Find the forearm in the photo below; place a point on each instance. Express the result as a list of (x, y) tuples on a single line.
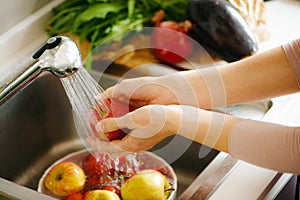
[(267, 145), (258, 77), (264, 144), (205, 127)]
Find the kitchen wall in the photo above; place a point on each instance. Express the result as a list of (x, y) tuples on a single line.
[(22, 31), (13, 11)]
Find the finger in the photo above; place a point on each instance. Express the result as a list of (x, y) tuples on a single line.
[(111, 93), (106, 146), (106, 94), (133, 144), (125, 145), (107, 125), (113, 124), (116, 91)]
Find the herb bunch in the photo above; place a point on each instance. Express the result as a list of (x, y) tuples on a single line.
[(99, 20)]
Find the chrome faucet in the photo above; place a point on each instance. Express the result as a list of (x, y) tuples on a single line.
[(59, 55)]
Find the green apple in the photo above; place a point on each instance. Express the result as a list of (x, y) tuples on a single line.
[(147, 184), (101, 195), (65, 178)]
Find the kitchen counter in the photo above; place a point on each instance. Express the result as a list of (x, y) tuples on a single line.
[(247, 181), (282, 20), (243, 181)]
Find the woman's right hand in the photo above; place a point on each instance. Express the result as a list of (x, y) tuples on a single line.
[(148, 125)]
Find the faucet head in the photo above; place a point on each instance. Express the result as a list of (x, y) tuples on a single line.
[(60, 56)]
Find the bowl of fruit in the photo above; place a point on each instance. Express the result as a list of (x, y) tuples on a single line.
[(86, 175)]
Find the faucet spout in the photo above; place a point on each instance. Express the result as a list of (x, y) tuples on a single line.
[(59, 55)]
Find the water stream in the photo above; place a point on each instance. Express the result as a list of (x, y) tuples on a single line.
[(83, 93)]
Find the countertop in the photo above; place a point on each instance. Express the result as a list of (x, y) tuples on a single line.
[(247, 181), (283, 21)]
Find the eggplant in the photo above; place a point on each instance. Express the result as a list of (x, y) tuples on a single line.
[(220, 29)]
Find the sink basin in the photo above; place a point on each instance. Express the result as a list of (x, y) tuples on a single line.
[(37, 129)]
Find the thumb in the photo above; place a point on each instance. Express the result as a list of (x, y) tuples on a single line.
[(106, 125), (113, 124), (108, 93)]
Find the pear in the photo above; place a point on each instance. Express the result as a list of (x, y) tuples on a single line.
[(145, 185)]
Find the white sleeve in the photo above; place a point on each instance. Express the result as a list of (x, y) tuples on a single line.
[(267, 145)]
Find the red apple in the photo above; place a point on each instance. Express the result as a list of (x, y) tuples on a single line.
[(65, 178), (116, 108)]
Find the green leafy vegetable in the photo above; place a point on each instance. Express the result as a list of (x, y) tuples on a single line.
[(99, 10), (100, 20), (85, 17)]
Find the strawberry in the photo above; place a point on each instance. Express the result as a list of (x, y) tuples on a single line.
[(104, 172), (98, 182), (170, 41), (92, 183), (115, 108)]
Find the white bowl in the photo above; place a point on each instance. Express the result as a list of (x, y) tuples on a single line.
[(149, 159)]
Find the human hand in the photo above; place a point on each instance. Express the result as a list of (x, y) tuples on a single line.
[(148, 125), (165, 90)]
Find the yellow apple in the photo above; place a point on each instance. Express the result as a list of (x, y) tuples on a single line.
[(65, 178), (147, 184), (101, 195)]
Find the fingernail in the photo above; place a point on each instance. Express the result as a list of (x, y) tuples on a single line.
[(99, 127), (90, 140)]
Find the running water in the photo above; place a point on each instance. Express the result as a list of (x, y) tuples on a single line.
[(83, 93)]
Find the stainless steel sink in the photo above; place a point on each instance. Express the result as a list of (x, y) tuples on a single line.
[(37, 128)]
